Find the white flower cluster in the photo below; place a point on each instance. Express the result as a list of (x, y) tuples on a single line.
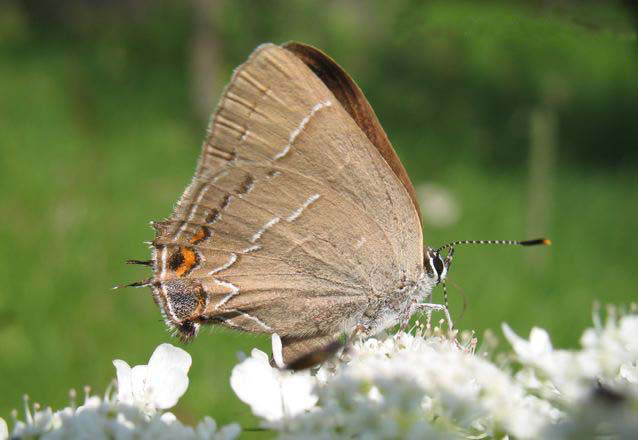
[(417, 384), (134, 413), (422, 384), (596, 386)]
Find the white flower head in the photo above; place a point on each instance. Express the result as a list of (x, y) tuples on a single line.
[(402, 386), (608, 357), (105, 418), (143, 391), (158, 385), (271, 392), (4, 429)]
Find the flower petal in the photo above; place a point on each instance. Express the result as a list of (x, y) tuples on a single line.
[(256, 384), (277, 351), (168, 418), (167, 378), (298, 393), (4, 429), (139, 374), (167, 357), (228, 432), (124, 385), (629, 372), (539, 341), (521, 346), (166, 389), (206, 428)]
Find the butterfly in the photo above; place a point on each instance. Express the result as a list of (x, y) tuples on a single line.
[(300, 219)]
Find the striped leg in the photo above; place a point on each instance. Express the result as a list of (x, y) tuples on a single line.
[(431, 307)]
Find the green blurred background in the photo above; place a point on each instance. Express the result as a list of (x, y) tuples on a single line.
[(521, 118)]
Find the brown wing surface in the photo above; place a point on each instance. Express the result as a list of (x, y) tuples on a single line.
[(294, 221)]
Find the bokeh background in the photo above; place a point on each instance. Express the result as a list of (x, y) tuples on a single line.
[(514, 120)]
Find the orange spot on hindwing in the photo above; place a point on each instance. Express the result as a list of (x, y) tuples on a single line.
[(183, 261), (202, 234)]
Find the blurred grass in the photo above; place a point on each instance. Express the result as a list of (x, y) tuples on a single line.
[(98, 137)]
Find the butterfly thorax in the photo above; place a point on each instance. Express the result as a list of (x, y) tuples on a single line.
[(397, 307)]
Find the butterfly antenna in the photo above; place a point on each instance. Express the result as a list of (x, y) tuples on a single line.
[(535, 242)]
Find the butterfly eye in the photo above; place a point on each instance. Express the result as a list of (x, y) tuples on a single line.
[(438, 265), (435, 265)]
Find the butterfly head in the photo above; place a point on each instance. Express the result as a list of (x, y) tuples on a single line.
[(436, 266)]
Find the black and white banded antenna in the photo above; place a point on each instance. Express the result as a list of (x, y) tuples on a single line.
[(535, 242), (450, 246)]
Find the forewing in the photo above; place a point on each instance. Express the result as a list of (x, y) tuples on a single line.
[(294, 222), (355, 103)]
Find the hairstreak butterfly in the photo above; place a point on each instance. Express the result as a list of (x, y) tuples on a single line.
[(300, 219)]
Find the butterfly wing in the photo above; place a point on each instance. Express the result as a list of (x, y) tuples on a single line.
[(293, 223), (355, 103)]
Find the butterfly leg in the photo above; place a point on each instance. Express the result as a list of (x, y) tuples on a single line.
[(405, 319), (430, 307)]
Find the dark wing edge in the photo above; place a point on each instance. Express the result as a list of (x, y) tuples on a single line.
[(355, 103)]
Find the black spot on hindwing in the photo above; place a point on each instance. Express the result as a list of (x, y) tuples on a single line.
[(176, 260)]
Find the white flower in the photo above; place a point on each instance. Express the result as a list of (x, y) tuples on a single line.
[(112, 420), (403, 386), (538, 347), (109, 418), (272, 393), (629, 372), (4, 429), (427, 385), (568, 377), (158, 385), (410, 385)]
